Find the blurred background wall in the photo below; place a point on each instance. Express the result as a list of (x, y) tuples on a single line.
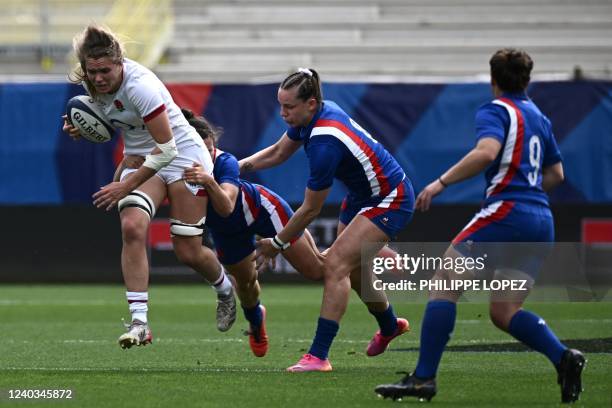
[(412, 72)]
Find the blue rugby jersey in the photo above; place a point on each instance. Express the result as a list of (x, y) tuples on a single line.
[(528, 145), (337, 147), (248, 201)]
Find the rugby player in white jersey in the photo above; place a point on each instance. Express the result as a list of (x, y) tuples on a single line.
[(137, 102)]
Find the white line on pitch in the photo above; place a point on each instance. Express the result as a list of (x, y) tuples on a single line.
[(153, 370)]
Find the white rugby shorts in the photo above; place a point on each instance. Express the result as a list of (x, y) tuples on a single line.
[(187, 156)]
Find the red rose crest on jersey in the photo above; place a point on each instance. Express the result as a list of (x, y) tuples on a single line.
[(118, 105)]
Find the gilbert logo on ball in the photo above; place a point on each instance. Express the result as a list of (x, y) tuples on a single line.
[(86, 116)]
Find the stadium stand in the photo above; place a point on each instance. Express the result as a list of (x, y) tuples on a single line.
[(247, 40), (356, 39), (36, 35)]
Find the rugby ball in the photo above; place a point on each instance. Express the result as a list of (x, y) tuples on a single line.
[(85, 115)]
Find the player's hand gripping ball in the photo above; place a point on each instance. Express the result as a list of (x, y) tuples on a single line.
[(85, 115)]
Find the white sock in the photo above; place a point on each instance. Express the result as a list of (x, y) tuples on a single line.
[(139, 305), (223, 286)]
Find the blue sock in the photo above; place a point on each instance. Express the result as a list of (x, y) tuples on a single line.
[(438, 324), (253, 315), (387, 321), (326, 331), (532, 330)]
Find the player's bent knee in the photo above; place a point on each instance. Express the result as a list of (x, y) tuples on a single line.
[(133, 229), (336, 276), (332, 261), (138, 199), (336, 268)]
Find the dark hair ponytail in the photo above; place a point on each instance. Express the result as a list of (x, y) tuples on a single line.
[(201, 125), (308, 83)]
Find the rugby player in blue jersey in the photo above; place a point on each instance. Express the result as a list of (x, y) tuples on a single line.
[(518, 154), (379, 204), (237, 211)]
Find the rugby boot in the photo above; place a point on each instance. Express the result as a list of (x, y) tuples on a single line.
[(137, 334), (379, 343), (409, 386), (258, 339), (308, 362), (226, 311), (569, 375)]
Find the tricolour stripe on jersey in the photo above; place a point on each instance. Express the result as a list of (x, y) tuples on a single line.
[(494, 212), (278, 215), (391, 202), (360, 150), (154, 113), (249, 207), (513, 148)]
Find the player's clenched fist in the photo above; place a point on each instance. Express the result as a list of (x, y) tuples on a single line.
[(72, 131)]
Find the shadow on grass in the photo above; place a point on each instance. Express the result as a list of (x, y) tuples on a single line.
[(601, 345)]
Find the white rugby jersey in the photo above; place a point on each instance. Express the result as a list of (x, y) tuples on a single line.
[(140, 98)]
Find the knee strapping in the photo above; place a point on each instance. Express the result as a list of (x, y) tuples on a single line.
[(140, 200), (182, 229)]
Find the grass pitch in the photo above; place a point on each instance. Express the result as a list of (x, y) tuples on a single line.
[(64, 337)]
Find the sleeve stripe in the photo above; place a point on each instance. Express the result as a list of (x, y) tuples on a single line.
[(161, 108)]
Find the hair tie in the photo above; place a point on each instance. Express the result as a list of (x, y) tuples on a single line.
[(305, 71)]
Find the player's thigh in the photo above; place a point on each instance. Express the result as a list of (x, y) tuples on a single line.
[(187, 201), (185, 205), (340, 229), (311, 242), (359, 242), (187, 216), (305, 257), (148, 196), (512, 236)]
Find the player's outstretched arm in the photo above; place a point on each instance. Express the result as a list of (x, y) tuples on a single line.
[(222, 196), (476, 161), (308, 211), (129, 162), (118, 171), (271, 156)]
